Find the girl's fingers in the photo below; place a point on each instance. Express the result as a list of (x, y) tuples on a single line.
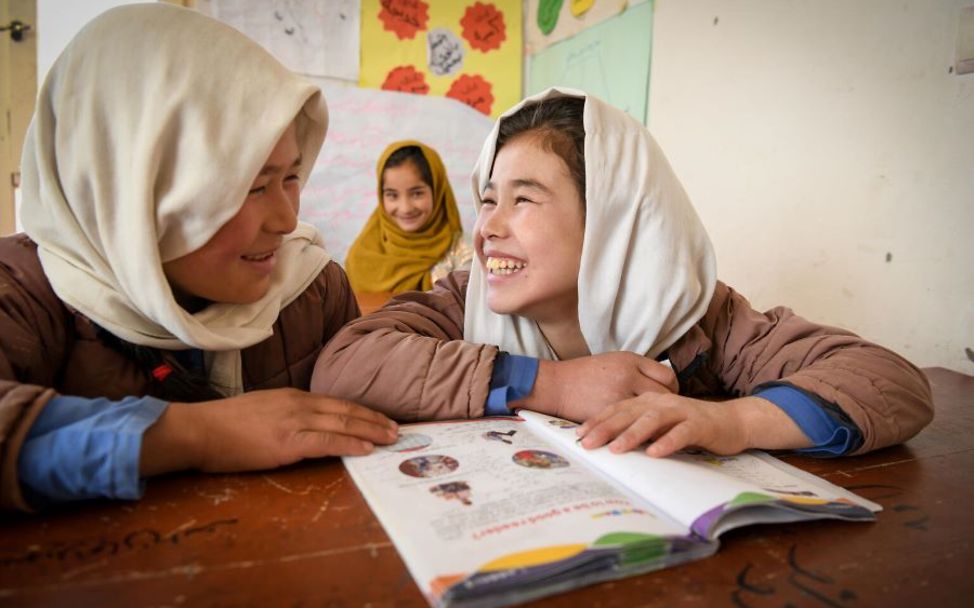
[(651, 424), (603, 415), (634, 406), (677, 438), (351, 426), (329, 405), (609, 427), (662, 374), (641, 430), (321, 444), (645, 384)]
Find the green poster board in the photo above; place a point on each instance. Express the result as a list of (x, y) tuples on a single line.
[(609, 60)]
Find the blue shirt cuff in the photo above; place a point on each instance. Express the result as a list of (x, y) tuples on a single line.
[(87, 448), (512, 379), (829, 436)]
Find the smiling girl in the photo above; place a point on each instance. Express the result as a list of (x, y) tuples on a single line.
[(414, 237), (593, 268), (163, 263)]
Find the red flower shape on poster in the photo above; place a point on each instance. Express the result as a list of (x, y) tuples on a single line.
[(404, 17), (473, 91), (407, 79), (483, 27)]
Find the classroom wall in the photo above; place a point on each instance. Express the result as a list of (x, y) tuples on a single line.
[(826, 147), (59, 20), (830, 153)]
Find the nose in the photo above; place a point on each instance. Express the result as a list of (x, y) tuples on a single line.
[(494, 223), (282, 210), (406, 206)]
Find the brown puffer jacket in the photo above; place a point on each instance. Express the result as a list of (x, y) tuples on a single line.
[(408, 360), (47, 349)]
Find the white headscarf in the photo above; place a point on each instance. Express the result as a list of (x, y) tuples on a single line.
[(647, 270), (148, 132)]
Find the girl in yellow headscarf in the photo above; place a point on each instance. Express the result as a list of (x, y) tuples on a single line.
[(414, 236)]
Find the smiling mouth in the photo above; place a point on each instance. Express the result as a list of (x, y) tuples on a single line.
[(259, 257), (504, 266)]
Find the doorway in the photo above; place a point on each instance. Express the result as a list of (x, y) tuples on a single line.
[(18, 90)]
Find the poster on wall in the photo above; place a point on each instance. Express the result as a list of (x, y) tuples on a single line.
[(467, 50), (550, 21), (312, 37), (610, 60)]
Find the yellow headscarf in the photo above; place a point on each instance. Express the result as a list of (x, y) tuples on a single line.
[(387, 258)]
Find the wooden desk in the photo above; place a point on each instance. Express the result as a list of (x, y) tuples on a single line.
[(304, 536)]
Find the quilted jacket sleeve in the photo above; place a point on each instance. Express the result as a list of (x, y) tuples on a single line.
[(887, 397), (408, 359)]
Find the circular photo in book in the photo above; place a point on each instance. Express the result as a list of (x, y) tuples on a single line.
[(453, 490), (433, 465), (538, 459), (410, 442)]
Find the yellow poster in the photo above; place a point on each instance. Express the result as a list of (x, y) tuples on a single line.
[(464, 49)]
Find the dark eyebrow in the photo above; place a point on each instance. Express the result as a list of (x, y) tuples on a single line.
[(523, 183), (271, 169)]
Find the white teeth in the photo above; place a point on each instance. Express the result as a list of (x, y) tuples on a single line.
[(257, 258), (504, 266)]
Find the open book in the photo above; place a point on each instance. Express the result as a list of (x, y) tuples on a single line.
[(496, 511)]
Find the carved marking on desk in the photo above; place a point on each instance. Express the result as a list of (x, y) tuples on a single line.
[(225, 496), (883, 465), (103, 548), (82, 569), (181, 527), (882, 491), (875, 491), (808, 582), (330, 490), (284, 488), (743, 585), (321, 510), (189, 570), (917, 523)]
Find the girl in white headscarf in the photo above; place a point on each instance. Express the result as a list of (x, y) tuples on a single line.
[(594, 269), (163, 263)]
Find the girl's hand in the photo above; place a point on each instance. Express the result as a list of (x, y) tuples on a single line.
[(674, 422), (260, 430), (577, 389)]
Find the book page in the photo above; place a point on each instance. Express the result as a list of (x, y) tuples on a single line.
[(487, 495), (697, 488)]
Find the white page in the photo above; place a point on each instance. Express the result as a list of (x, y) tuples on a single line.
[(507, 508), (688, 485)]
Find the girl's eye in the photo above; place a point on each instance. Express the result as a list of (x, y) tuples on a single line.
[(292, 178), (522, 199), (488, 201), (256, 191)]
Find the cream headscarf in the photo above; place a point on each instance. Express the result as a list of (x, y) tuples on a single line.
[(647, 270), (148, 132)]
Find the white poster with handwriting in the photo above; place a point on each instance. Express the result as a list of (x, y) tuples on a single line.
[(313, 37)]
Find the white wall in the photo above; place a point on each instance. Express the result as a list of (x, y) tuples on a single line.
[(819, 137), (59, 20)]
